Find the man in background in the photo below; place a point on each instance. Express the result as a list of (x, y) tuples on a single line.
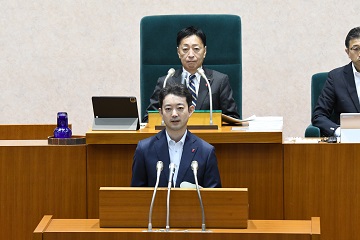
[(191, 49), (341, 91), (175, 144)]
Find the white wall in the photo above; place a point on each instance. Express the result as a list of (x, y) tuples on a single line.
[(55, 55)]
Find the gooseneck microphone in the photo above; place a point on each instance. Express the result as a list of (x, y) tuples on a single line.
[(170, 74), (202, 73), (172, 167), (194, 167), (159, 168)]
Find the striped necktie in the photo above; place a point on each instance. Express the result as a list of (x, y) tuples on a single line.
[(193, 89)]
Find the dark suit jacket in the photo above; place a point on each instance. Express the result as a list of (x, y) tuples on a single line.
[(222, 95), (338, 96), (153, 149)]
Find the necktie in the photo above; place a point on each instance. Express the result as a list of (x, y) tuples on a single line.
[(193, 89)]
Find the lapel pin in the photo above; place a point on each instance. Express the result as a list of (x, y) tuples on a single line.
[(193, 150)]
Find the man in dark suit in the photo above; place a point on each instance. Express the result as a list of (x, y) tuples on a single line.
[(175, 144), (341, 91), (191, 49)]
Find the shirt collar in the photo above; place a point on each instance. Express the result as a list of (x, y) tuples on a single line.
[(182, 140), (185, 74), (356, 73)]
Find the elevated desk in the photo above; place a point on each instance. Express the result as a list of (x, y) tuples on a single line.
[(246, 159), (38, 179), (74, 229), (324, 180)]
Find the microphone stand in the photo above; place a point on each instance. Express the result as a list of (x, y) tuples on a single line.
[(194, 167), (202, 73), (159, 168), (172, 167)]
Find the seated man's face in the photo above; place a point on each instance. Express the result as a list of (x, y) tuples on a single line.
[(175, 112), (191, 52), (354, 52)]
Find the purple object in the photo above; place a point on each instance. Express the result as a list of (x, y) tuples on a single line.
[(62, 130)]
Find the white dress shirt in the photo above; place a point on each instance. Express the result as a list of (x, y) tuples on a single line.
[(175, 153), (185, 76)]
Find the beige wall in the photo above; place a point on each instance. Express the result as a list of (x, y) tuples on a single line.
[(55, 55)]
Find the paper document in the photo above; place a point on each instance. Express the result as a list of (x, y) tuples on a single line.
[(229, 119), (266, 123)]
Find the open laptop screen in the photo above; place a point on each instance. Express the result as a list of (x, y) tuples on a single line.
[(115, 113), (350, 127)]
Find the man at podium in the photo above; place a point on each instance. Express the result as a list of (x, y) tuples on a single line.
[(191, 49), (175, 144)]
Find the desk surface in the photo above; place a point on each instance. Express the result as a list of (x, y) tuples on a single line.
[(225, 134), (310, 228)]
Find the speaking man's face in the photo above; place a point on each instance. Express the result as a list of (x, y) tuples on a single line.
[(175, 112)]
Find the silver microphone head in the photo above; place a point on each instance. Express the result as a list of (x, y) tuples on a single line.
[(200, 70), (171, 72), (159, 165), (172, 167), (194, 165)]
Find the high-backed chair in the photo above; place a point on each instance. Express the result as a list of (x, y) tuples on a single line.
[(317, 83), (158, 51)]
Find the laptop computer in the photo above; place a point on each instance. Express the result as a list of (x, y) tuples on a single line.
[(115, 113), (350, 127)]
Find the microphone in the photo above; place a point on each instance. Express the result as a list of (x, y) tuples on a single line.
[(159, 168), (202, 73), (170, 74), (194, 167), (172, 167)]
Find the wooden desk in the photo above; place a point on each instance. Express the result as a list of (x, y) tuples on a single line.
[(324, 180), (74, 229), (246, 159), (38, 179), (26, 131)]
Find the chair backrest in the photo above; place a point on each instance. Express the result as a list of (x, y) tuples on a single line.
[(158, 49), (317, 83)]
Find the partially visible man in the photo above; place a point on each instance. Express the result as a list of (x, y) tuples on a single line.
[(175, 144), (341, 91), (191, 49)]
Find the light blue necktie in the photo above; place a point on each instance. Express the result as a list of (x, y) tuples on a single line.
[(193, 89)]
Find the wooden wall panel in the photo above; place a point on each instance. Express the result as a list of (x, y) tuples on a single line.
[(324, 180), (37, 179)]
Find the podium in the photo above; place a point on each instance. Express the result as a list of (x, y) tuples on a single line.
[(75, 229), (200, 119), (129, 207), (124, 215)]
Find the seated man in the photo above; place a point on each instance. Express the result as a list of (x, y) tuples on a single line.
[(341, 91), (191, 48), (175, 144)]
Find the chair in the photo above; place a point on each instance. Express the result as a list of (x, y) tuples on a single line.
[(317, 83), (158, 49)]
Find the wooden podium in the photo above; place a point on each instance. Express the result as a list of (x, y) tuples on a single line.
[(129, 207), (75, 229), (200, 119), (124, 215)]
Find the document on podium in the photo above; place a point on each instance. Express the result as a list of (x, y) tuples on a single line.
[(232, 120), (268, 123)]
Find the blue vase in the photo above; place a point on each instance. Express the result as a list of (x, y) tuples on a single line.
[(62, 130)]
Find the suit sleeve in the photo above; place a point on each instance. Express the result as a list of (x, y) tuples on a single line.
[(139, 173), (154, 99), (211, 177), (228, 105), (324, 108)]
